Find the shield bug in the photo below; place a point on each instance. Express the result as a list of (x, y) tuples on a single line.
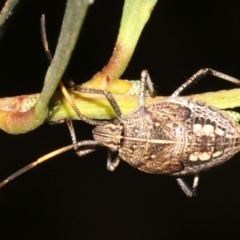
[(179, 136)]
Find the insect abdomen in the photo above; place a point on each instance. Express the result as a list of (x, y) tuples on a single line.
[(179, 136), (211, 138)]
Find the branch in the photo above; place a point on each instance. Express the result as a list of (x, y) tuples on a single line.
[(135, 15), (97, 107)]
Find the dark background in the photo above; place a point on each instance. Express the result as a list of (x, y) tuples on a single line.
[(77, 198)]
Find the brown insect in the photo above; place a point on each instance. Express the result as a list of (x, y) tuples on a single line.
[(179, 136)]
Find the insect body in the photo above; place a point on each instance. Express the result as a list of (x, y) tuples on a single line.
[(179, 136)]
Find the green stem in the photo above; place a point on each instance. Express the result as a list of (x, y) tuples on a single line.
[(97, 107), (135, 15)]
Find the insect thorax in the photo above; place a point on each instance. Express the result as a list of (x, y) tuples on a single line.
[(178, 136)]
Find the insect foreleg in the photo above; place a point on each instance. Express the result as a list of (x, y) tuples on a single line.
[(145, 83), (79, 152), (112, 163), (108, 96)]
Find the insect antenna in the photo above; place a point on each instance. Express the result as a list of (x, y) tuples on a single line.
[(90, 144), (61, 85)]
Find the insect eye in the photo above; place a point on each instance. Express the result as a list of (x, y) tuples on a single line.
[(116, 121)]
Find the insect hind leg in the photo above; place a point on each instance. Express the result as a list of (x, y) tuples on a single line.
[(190, 192), (202, 73)]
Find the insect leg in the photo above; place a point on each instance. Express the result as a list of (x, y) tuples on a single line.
[(202, 73), (72, 133), (112, 163), (108, 96), (190, 192), (145, 83), (82, 152)]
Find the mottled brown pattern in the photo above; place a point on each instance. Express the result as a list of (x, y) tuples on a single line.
[(178, 136)]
